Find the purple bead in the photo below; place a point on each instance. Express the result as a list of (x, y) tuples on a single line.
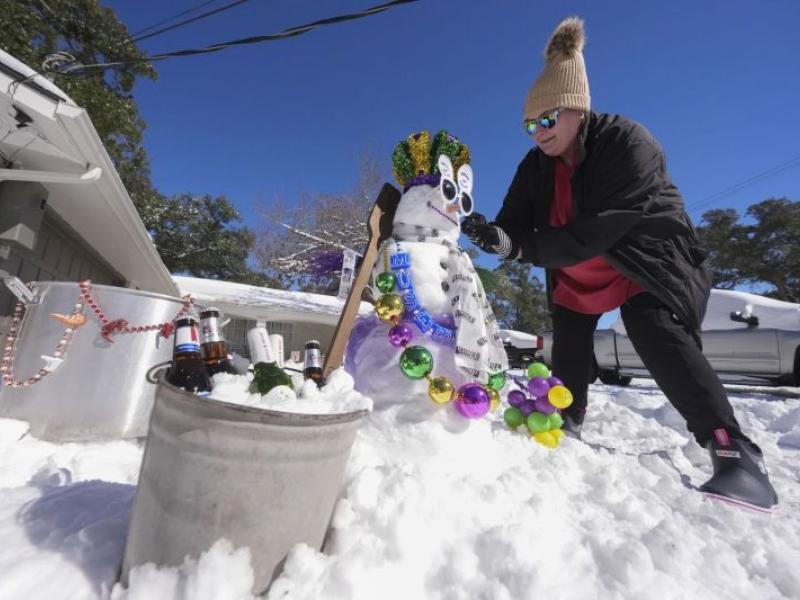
[(516, 397), (543, 406), (473, 401), (400, 335), (553, 380), (538, 387), (527, 407)]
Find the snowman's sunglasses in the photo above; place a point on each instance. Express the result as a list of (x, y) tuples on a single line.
[(461, 202), (546, 121)]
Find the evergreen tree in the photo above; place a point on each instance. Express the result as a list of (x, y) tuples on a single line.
[(518, 298)]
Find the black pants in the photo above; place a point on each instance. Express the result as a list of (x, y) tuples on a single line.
[(669, 350)]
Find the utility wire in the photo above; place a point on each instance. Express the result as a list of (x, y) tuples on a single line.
[(772, 172), (172, 18), (77, 69), (199, 17)]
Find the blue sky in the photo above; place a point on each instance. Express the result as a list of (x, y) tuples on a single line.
[(717, 83)]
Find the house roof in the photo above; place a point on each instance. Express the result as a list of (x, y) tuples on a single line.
[(61, 140), (260, 303)]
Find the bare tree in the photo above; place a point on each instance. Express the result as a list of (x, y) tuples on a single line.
[(301, 243)]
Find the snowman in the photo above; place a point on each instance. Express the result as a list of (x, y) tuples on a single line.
[(433, 336)]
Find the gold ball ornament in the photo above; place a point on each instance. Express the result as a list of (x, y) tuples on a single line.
[(389, 307), (494, 398), (559, 396), (440, 390)]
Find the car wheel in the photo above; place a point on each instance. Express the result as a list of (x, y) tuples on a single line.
[(613, 378)]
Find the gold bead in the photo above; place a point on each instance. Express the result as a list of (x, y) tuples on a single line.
[(440, 390)]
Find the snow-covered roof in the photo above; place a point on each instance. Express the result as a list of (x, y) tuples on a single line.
[(518, 339), (261, 303), (60, 142), (771, 313)]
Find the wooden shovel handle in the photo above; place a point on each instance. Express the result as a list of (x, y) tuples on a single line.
[(379, 227)]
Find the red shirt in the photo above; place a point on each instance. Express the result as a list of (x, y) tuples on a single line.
[(592, 286)]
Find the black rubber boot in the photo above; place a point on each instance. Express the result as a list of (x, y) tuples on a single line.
[(740, 476)]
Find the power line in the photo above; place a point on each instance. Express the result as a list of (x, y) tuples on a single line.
[(77, 69), (172, 18), (192, 20), (771, 172)]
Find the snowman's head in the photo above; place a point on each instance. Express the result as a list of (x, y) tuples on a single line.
[(437, 182), (439, 206)]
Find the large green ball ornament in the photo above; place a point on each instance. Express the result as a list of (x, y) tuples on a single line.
[(440, 390), (513, 417), (537, 369), (416, 362), (538, 422), (385, 282), (389, 307), (497, 381)]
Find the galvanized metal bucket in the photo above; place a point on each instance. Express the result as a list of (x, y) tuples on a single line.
[(259, 478), (100, 391)]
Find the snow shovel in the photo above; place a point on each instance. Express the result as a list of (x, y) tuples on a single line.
[(379, 227)]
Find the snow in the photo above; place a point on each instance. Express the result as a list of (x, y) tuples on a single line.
[(771, 313), (337, 396), (443, 508), (261, 303)]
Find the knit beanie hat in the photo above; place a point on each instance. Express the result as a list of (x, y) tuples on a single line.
[(563, 82)]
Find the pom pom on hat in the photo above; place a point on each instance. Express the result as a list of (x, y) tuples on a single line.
[(563, 82)]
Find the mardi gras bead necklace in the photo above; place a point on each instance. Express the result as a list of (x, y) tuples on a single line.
[(472, 400)]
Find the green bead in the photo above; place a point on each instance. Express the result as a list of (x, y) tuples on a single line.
[(538, 422), (513, 417), (497, 381), (385, 282), (537, 369), (416, 362), (556, 421)]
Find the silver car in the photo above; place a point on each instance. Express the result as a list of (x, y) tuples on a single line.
[(746, 338)]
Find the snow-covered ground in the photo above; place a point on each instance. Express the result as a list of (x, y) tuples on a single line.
[(441, 508)]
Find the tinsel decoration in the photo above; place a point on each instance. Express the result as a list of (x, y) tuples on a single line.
[(415, 159)]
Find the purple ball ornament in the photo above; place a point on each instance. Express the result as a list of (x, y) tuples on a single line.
[(400, 335), (543, 406), (538, 387), (516, 397), (527, 407), (553, 380), (473, 401)]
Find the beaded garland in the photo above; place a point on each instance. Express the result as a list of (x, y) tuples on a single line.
[(473, 400)]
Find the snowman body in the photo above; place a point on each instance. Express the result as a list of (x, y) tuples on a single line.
[(426, 231)]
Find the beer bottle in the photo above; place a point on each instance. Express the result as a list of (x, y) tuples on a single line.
[(215, 348), (266, 372), (188, 371), (312, 362)]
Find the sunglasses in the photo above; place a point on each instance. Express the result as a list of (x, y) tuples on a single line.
[(458, 199), (547, 121)]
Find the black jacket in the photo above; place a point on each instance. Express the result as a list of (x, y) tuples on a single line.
[(624, 207)]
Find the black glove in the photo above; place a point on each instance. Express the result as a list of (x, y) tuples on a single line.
[(480, 233)]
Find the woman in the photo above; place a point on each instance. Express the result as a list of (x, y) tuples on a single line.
[(594, 205)]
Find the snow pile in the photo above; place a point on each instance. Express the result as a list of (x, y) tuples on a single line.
[(435, 507), (335, 397)]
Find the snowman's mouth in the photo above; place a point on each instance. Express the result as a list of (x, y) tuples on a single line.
[(446, 216)]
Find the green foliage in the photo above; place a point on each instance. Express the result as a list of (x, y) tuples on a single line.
[(196, 235), (518, 298), (761, 249)]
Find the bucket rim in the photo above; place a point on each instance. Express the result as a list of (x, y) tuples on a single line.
[(290, 418), (103, 286)]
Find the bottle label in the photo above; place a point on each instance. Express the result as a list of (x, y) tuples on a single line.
[(211, 331), (260, 346), (313, 359), (186, 339)]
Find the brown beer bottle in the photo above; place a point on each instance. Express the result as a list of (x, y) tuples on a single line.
[(215, 348), (187, 370), (312, 362)]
